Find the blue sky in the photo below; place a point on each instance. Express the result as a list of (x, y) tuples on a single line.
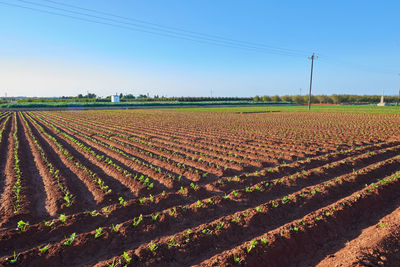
[(358, 44)]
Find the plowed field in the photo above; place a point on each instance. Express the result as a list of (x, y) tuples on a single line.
[(184, 188)]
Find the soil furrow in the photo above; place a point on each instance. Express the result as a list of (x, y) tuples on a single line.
[(72, 169), (125, 162), (33, 185), (288, 186), (341, 221), (299, 209), (106, 173)]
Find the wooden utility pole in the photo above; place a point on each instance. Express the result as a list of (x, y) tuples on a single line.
[(398, 99), (312, 66)]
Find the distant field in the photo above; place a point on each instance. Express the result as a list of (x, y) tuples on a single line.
[(72, 105), (207, 106), (200, 187), (314, 108)]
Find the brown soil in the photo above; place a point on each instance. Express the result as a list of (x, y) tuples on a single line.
[(229, 189)]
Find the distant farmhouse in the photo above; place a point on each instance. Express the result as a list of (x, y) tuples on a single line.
[(115, 98)]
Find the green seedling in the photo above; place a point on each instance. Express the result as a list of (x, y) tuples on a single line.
[(252, 245), (115, 228), (48, 223), (235, 220), (68, 200), (220, 226), (142, 200), (172, 212), (122, 201), (153, 247), (199, 204), (187, 235), (236, 259), (172, 243), (136, 221), (248, 189), (264, 240), (99, 232), (68, 241), (274, 204), (63, 218), (127, 258), (207, 231), (94, 213), (21, 225), (44, 249), (155, 217), (194, 186), (286, 199), (106, 211), (14, 259), (234, 193)]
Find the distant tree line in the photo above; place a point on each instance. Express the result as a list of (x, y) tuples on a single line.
[(327, 99), (298, 99)]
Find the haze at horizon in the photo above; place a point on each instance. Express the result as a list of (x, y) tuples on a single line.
[(48, 55)]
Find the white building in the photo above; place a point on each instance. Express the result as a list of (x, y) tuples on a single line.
[(115, 98)]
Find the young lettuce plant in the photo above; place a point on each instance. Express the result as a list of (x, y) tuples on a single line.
[(63, 218), (21, 225), (14, 258), (153, 247), (136, 221), (99, 232), (127, 258), (43, 249), (115, 228), (68, 241), (122, 201)]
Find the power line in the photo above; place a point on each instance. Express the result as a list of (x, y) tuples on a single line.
[(149, 30), (177, 29), (166, 31)]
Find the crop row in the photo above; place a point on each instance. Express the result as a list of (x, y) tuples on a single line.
[(52, 170), (3, 127), (279, 185), (209, 149), (176, 147), (148, 148), (97, 181), (157, 223), (17, 186), (133, 160), (129, 176), (190, 243), (329, 218)]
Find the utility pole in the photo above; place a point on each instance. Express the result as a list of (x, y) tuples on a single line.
[(312, 66), (211, 93), (398, 99)]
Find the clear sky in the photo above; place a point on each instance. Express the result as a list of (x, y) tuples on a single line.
[(44, 54)]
